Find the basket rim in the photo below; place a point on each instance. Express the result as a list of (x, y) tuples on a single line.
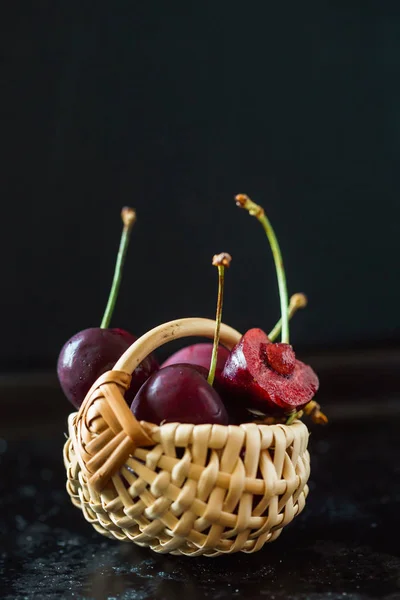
[(106, 419), (153, 426)]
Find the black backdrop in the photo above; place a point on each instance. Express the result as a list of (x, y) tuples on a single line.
[(173, 108)]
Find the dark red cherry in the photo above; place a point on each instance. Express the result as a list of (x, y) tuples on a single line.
[(269, 379), (179, 393), (199, 354), (92, 352)]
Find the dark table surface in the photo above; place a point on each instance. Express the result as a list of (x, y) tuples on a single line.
[(344, 545)]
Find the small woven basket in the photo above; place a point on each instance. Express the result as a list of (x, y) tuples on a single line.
[(180, 488)]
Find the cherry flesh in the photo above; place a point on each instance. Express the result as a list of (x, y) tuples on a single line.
[(92, 352), (179, 393), (268, 375), (199, 354)]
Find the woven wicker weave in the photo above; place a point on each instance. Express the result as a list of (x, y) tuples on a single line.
[(179, 488)]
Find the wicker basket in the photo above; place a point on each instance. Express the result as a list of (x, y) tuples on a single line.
[(180, 488)]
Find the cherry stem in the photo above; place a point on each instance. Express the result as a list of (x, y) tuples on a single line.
[(257, 211), (313, 409), (221, 261), (296, 301), (128, 217), (292, 417)]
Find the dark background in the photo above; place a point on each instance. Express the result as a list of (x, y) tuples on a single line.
[(173, 109)]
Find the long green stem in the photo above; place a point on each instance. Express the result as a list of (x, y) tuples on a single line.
[(128, 216), (296, 301), (257, 211), (221, 261)]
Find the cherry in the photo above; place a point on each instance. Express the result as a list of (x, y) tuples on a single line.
[(199, 354), (92, 352), (266, 375), (179, 393), (233, 396)]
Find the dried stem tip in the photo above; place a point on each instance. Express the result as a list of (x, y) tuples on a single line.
[(244, 201), (128, 216), (313, 410), (222, 260), (298, 301)]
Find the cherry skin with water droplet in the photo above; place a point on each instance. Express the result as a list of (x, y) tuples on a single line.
[(92, 352), (179, 393)]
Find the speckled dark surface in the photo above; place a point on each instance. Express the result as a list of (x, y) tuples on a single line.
[(344, 545)]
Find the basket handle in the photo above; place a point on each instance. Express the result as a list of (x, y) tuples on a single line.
[(101, 462), (173, 330)]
